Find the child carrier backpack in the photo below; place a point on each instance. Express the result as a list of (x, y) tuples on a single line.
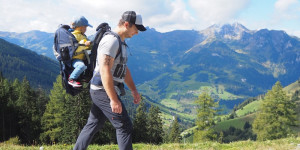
[(65, 45)]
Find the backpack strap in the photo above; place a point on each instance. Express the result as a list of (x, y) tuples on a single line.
[(120, 44)]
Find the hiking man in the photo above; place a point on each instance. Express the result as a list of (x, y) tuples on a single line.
[(107, 84)]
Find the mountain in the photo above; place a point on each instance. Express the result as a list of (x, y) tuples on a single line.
[(37, 41), (230, 61), (228, 31), (17, 62), (156, 53)]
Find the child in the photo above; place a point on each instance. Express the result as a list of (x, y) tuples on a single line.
[(79, 25)]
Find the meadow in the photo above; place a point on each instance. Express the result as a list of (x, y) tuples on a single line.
[(291, 143)]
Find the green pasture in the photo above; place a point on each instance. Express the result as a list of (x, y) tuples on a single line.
[(250, 108), (236, 122)]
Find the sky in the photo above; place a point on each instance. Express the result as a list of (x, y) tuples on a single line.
[(162, 15)]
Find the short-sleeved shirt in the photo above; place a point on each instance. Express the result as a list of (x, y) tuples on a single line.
[(109, 45)]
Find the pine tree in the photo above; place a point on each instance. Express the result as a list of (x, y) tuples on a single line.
[(15, 90), (13, 108), (9, 122), (140, 124), (28, 119), (221, 137), (207, 110), (52, 120), (276, 115), (41, 101), (75, 117), (27, 116), (154, 126), (174, 136), (4, 98)]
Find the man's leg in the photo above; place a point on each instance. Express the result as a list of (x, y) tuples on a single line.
[(121, 122), (95, 122), (124, 129)]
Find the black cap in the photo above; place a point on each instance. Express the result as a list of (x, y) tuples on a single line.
[(136, 19)]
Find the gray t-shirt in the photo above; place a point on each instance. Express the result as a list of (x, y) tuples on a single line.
[(109, 45)]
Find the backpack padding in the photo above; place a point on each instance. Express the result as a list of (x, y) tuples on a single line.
[(101, 30), (64, 38)]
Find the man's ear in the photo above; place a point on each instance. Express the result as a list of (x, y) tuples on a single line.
[(126, 24)]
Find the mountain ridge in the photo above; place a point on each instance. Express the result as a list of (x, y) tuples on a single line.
[(17, 62), (35, 40)]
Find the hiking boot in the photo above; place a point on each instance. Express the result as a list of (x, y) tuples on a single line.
[(74, 83)]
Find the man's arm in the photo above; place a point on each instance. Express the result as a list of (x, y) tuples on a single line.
[(106, 63), (129, 82)]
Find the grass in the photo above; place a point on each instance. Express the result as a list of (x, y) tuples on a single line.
[(237, 123), (167, 112), (292, 88), (172, 103), (220, 92), (251, 107), (281, 144), (224, 125)]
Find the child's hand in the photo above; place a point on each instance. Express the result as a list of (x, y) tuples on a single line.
[(87, 43)]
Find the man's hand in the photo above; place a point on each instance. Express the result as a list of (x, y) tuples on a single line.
[(116, 106), (136, 97)]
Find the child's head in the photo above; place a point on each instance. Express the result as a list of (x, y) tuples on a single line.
[(80, 23)]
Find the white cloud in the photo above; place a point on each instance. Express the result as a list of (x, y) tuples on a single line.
[(163, 15), (46, 15), (286, 16), (217, 11), (177, 18), (286, 10), (22, 16), (283, 5)]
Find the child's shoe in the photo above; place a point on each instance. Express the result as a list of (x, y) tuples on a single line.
[(74, 83)]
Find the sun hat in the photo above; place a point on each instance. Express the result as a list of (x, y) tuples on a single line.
[(80, 21)]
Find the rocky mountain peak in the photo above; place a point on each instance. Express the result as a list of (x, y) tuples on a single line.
[(232, 31)]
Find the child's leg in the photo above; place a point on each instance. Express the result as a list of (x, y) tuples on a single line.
[(79, 68)]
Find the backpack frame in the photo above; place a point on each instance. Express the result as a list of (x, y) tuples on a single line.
[(64, 47)]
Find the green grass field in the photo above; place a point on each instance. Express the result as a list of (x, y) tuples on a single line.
[(251, 107), (237, 123), (281, 144)]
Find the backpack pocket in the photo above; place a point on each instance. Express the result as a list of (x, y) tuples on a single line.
[(64, 53)]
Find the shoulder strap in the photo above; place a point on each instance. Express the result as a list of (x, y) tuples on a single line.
[(120, 44)]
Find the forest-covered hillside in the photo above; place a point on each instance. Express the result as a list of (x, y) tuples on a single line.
[(18, 62)]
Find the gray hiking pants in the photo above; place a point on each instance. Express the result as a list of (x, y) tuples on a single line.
[(100, 111)]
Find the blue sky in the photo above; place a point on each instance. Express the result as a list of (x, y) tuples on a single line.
[(163, 15)]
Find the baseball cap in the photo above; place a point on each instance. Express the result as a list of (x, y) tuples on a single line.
[(81, 21), (135, 19)]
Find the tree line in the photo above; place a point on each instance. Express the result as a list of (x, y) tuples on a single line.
[(276, 118), (35, 117)]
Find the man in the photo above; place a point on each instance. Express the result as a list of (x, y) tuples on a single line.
[(106, 85)]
